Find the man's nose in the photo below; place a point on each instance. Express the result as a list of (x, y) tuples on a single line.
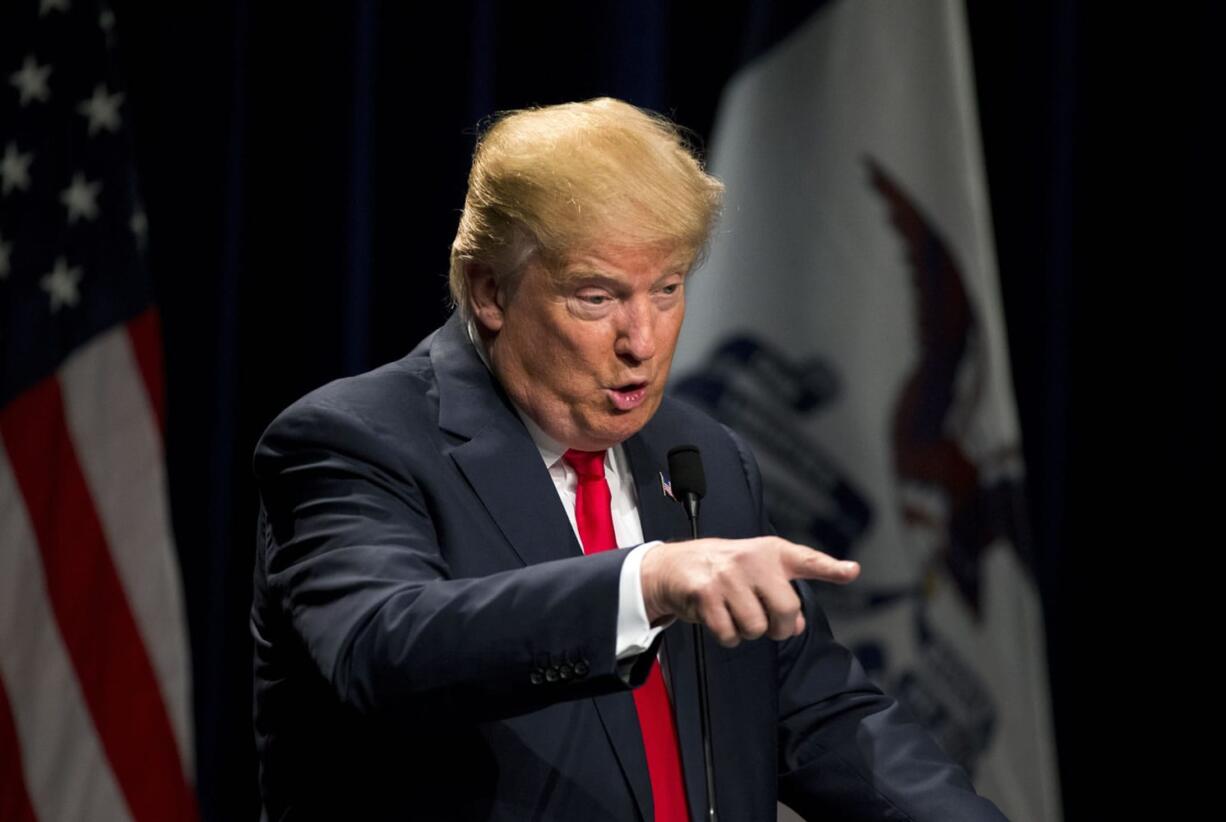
[(636, 339)]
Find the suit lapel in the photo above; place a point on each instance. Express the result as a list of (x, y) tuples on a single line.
[(499, 459), (505, 469), (663, 518)]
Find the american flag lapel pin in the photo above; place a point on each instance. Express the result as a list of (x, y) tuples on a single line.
[(666, 487)]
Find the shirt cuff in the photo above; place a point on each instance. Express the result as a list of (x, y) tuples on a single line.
[(634, 631)]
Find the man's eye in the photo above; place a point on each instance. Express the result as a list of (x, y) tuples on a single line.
[(671, 289), (594, 299)]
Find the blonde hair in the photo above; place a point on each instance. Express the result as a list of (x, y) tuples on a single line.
[(559, 179)]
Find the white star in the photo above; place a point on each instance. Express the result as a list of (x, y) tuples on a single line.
[(14, 169), (81, 198), (45, 6), (31, 81), (62, 284), (5, 250), (139, 224), (102, 110)]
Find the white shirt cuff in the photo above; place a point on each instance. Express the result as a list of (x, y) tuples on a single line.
[(634, 632)]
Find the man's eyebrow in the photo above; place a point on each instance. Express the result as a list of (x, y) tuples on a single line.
[(590, 276), (587, 276)]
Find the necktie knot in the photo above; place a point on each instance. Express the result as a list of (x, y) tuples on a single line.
[(589, 465)]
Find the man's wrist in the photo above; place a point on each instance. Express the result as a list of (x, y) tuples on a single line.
[(648, 580), (635, 630)]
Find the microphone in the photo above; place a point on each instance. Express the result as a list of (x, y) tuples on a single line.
[(689, 484), (688, 480)]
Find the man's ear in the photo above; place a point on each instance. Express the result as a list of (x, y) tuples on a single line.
[(484, 298)]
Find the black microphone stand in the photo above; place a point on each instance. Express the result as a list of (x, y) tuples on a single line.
[(689, 493), (704, 704)]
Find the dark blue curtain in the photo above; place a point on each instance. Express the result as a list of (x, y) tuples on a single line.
[(303, 166)]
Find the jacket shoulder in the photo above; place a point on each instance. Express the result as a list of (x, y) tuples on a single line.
[(386, 401)]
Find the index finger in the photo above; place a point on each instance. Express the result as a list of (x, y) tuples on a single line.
[(802, 562)]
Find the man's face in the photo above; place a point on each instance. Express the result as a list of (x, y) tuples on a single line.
[(585, 352)]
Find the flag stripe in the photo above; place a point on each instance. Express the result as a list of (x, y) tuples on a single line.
[(117, 442), (146, 334), (66, 772), (14, 800), (95, 620)]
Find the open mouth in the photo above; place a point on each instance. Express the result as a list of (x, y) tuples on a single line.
[(629, 396)]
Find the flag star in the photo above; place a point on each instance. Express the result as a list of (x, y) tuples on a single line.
[(46, 6), (102, 110), (31, 81), (14, 169), (81, 198), (5, 250), (62, 285)]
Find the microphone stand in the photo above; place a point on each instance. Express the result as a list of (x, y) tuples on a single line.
[(704, 702), (690, 486)]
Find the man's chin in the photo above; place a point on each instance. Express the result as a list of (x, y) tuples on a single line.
[(622, 425)]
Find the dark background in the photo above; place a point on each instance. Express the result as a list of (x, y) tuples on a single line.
[(303, 166)]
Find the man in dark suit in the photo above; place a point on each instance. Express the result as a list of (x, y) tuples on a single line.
[(443, 629)]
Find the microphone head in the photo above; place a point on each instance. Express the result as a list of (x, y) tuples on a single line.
[(685, 472)]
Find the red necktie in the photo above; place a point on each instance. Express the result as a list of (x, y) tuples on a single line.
[(595, 521)]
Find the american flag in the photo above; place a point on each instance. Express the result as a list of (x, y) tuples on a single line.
[(95, 707), (666, 487)]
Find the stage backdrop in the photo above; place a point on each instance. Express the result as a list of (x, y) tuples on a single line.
[(301, 168)]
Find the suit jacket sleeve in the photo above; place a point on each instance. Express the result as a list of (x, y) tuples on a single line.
[(350, 559), (847, 750)]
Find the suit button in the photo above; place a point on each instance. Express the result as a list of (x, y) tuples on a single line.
[(566, 671), (581, 668), (536, 677), (551, 674)]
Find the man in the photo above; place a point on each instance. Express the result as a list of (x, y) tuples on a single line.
[(441, 629)]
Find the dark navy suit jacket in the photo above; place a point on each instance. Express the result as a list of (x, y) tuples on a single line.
[(431, 643)]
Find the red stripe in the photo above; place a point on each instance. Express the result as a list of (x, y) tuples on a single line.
[(15, 802), (145, 332), (92, 611)]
